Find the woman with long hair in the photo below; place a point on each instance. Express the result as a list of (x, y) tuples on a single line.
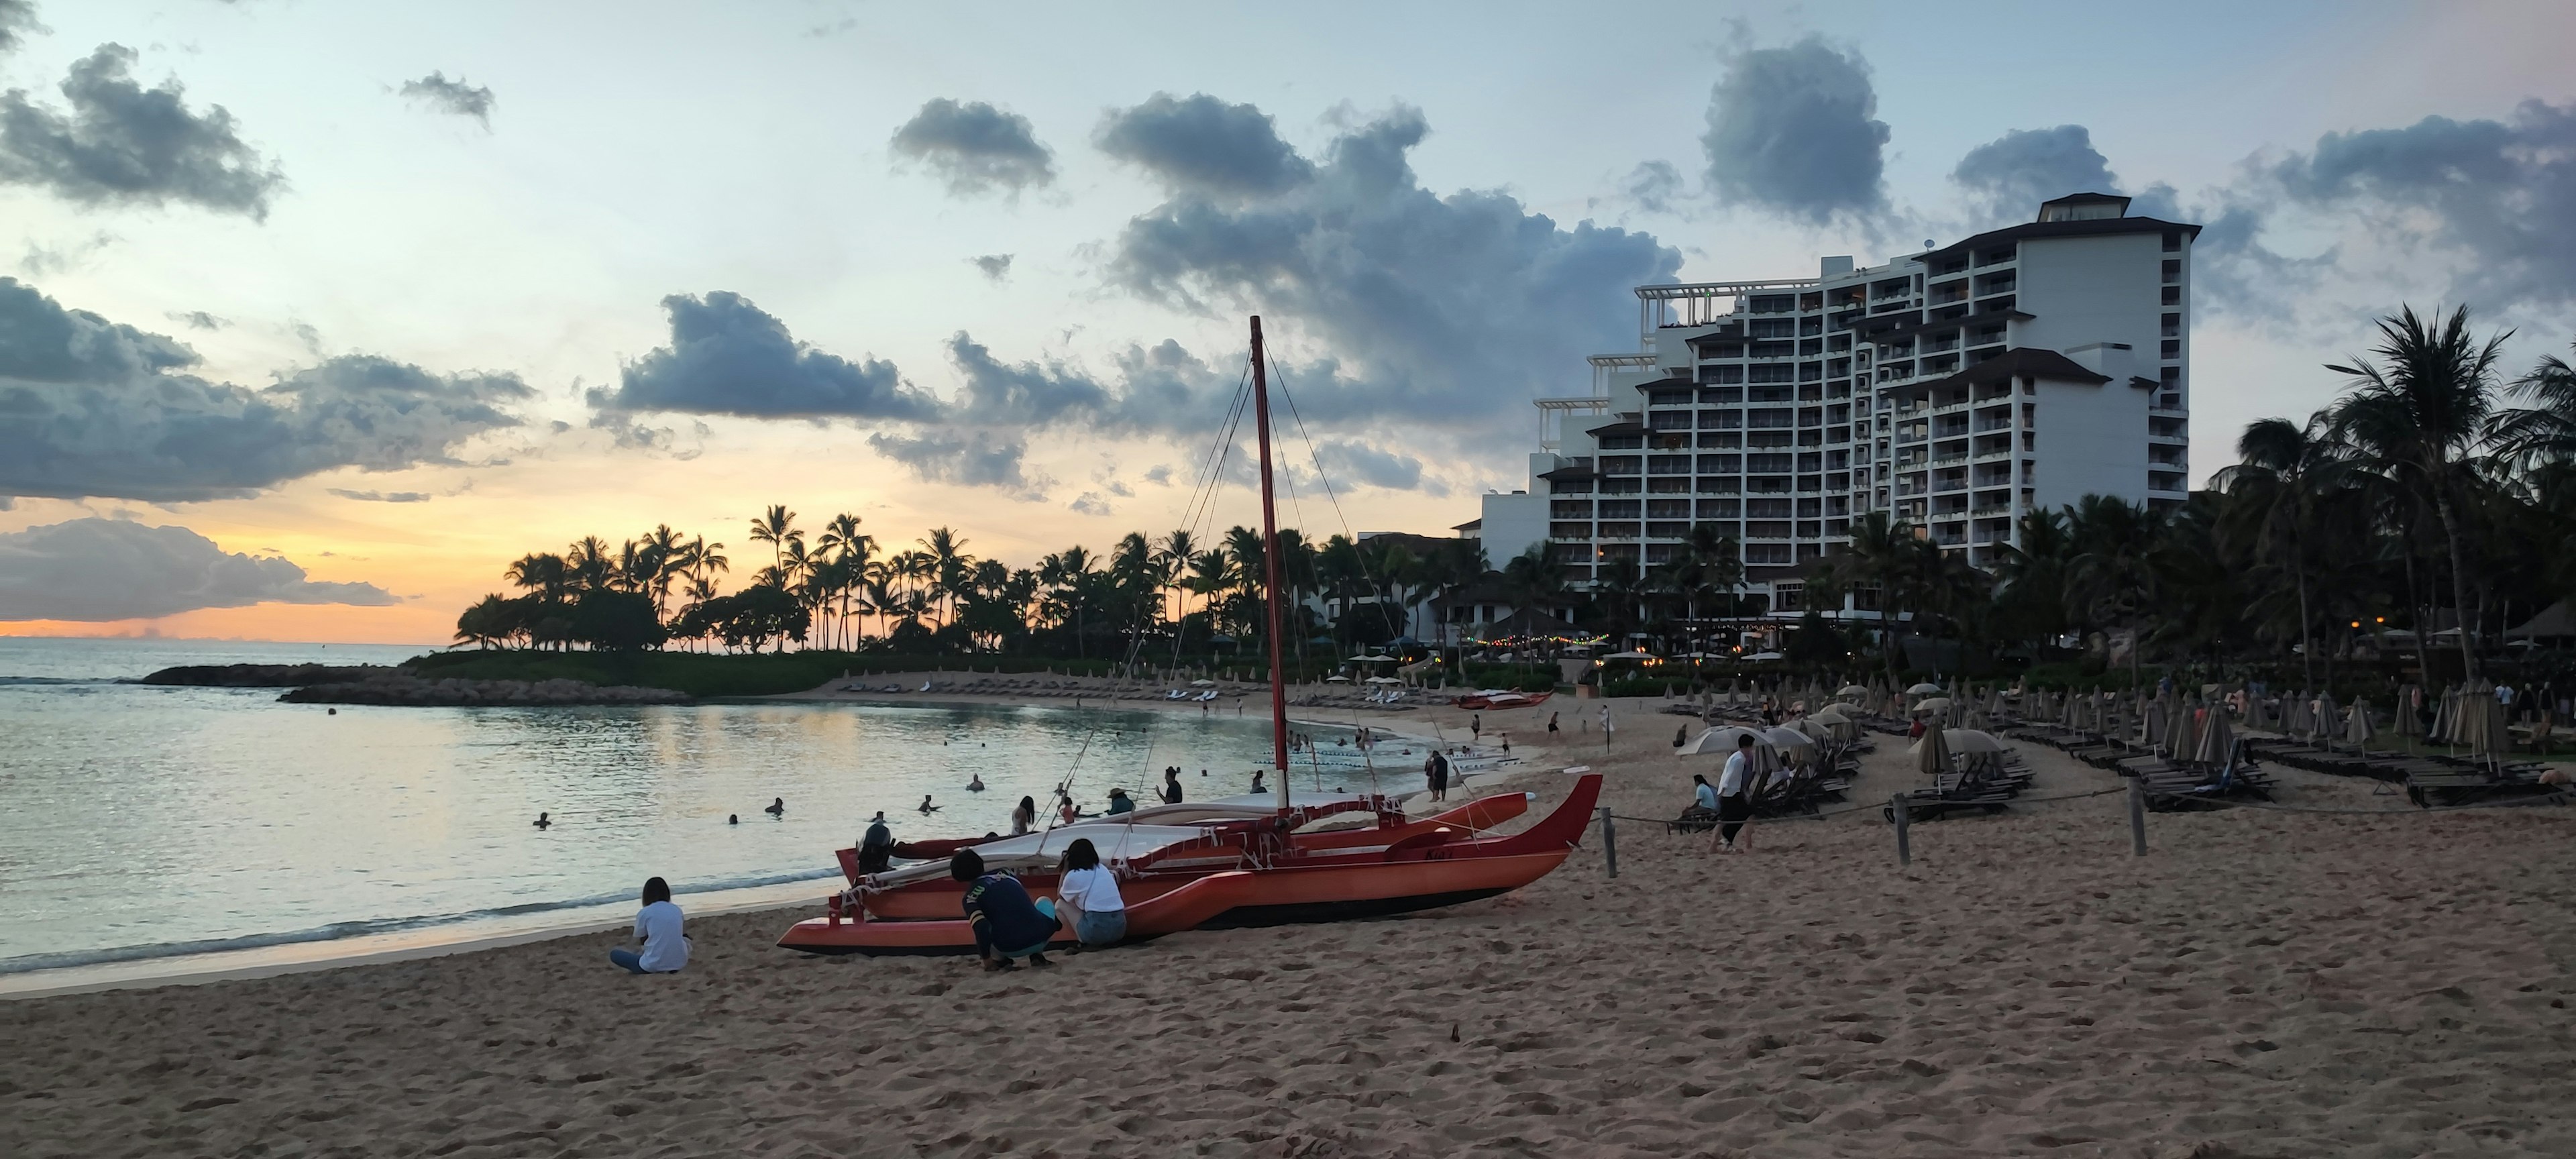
[(664, 948)]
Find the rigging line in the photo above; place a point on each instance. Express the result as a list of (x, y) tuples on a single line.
[(1327, 481), (1064, 787), (1211, 481)]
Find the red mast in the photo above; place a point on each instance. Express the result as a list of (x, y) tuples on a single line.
[(1270, 565)]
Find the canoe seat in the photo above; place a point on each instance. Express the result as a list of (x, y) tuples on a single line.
[(1420, 846)]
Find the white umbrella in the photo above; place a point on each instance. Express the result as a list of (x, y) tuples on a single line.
[(1923, 689), (1968, 740), (1202, 684), (1931, 704), (1787, 739), (1382, 680), (1371, 659), (2357, 729), (1851, 690), (1722, 741), (1337, 680)]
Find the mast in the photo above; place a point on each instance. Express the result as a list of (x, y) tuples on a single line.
[(1270, 565)]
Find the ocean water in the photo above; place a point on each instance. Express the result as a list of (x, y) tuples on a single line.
[(139, 823)]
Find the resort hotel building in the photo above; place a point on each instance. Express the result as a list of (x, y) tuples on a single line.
[(1955, 389)]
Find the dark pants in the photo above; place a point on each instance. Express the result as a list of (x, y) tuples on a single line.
[(627, 960), (1732, 813)]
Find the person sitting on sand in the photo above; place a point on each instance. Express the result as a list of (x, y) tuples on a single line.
[(1007, 924), (975, 785), (657, 926), (876, 848), (542, 822), (777, 807), (1703, 793), (926, 807), (1025, 817), (1172, 787), (1087, 898), (1120, 802)]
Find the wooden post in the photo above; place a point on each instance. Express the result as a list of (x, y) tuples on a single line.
[(1609, 843), (2137, 817), (1904, 836)]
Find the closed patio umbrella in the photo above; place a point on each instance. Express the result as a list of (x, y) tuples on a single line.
[(1932, 753), (2329, 718), (2216, 742), (2357, 728)]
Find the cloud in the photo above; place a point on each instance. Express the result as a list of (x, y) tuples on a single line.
[(124, 144), (995, 266), (17, 20), (1793, 131), (628, 433), (1160, 474), (1026, 394), (2498, 194), (2008, 177), (1403, 304), (1090, 503), (967, 460), (383, 496), (976, 148), (452, 96), (1654, 186), (198, 319), (93, 408), (1348, 463), (43, 261), (1204, 145), (94, 570), (727, 356)]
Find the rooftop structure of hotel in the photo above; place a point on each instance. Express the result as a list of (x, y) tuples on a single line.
[(1956, 389)]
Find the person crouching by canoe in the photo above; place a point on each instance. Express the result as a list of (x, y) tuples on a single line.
[(1007, 924), (1087, 899), (876, 848), (657, 926)]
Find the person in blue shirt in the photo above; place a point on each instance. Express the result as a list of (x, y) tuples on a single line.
[(1007, 924), (1120, 802)]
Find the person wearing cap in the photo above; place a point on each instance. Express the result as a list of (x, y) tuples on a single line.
[(1120, 802)]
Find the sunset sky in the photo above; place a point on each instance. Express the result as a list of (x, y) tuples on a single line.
[(392, 294)]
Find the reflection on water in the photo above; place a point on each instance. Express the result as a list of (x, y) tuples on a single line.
[(137, 821)]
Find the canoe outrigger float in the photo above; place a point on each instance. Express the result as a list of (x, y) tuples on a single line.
[(1239, 861)]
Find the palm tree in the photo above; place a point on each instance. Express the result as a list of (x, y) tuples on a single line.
[(590, 563), (849, 549), (2112, 574), (542, 572), (2421, 415), (1885, 555), (662, 549), (949, 564), (2284, 471), (2030, 574), (1708, 560), (1069, 573), (1173, 556), (776, 527)]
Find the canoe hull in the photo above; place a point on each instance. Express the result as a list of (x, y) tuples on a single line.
[(1184, 908)]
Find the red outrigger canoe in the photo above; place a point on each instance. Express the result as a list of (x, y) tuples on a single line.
[(1235, 875)]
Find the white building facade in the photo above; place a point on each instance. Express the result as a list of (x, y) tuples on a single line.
[(1956, 389)]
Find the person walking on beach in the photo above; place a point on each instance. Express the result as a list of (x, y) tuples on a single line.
[(1087, 899), (876, 848), (1007, 924), (1435, 769), (1476, 726), (1025, 817), (1733, 806), (1551, 729), (657, 927), (1606, 728)]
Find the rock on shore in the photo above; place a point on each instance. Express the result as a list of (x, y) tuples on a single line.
[(387, 686)]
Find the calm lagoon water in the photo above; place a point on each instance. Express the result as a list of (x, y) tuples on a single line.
[(141, 823)]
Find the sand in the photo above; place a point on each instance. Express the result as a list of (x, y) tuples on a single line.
[(2263, 984)]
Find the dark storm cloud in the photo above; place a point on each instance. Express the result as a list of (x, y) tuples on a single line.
[(1450, 310), (1349, 462), (1793, 131), (121, 143), (96, 570), (1205, 145), (727, 356), (2500, 193), (996, 267), (17, 20), (452, 96), (2008, 177), (964, 459), (1026, 394), (93, 408), (975, 147)]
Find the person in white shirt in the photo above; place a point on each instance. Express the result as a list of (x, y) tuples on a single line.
[(1087, 898), (1734, 807), (657, 926)]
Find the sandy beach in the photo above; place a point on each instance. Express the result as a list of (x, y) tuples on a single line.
[(2263, 984)]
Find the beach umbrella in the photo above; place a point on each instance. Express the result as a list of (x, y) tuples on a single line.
[(2357, 728), (1931, 704), (2487, 731), (2404, 720), (1337, 680), (1969, 740), (1721, 741), (2329, 716), (1924, 689), (1852, 690), (1793, 744), (2216, 742), (1202, 684), (2177, 726), (1932, 753)]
